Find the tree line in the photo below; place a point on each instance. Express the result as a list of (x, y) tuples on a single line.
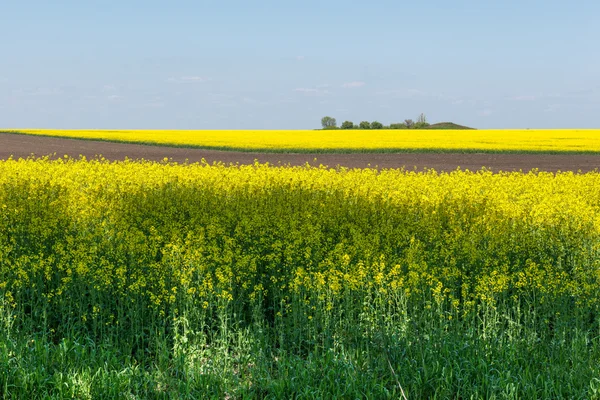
[(331, 123)]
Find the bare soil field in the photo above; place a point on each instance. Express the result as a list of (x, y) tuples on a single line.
[(23, 146)]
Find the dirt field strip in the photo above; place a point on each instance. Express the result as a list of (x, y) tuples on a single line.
[(23, 146)]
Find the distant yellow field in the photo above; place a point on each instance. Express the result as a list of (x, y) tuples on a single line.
[(514, 140)]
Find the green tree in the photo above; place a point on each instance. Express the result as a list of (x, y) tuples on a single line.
[(328, 122), (421, 122), (397, 125), (347, 125), (376, 125), (364, 125)]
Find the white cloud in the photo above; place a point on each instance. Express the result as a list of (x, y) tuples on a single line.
[(253, 101), (223, 100), (224, 103), (39, 91), (312, 91), (413, 93), (552, 108), (355, 84), (418, 92), (588, 91), (109, 88), (300, 58), (189, 79), (486, 112), (156, 104), (114, 97), (524, 98), (306, 90)]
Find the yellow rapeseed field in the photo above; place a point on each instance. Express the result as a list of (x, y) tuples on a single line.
[(461, 237), (237, 273), (509, 140)]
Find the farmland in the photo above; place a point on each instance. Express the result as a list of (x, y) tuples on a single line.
[(354, 141), (25, 146), (300, 200), (162, 280)]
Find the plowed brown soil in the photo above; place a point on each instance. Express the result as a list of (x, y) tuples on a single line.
[(23, 146)]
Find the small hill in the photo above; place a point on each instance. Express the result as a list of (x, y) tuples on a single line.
[(447, 125)]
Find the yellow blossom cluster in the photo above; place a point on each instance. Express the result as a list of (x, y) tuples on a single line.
[(379, 140), (108, 242)]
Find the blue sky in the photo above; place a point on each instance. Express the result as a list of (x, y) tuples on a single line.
[(285, 64)]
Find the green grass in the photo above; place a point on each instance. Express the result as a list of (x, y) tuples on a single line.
[(505, 356)]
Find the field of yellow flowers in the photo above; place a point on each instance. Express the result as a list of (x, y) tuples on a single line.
[(488, 140), (158, 280)]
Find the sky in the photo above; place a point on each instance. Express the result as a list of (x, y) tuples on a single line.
[(118, 64)]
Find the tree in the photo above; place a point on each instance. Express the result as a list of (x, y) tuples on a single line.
[(421, 122), (328, 122), (347, 125), (376, 125), (398, 125), (364, 125), (409, 123)]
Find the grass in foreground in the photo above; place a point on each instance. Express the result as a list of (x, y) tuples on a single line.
[(429, 140), (145, 280)]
